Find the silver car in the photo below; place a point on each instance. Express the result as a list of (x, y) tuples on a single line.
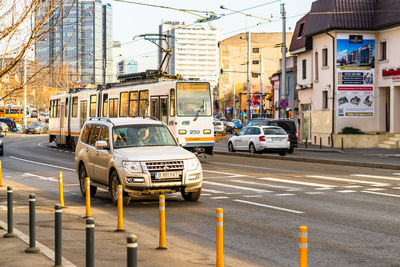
[(218, 127), (257, 139), (141, 154)]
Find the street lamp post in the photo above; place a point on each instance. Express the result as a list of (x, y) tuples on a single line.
[(25, 92), (283, 80)]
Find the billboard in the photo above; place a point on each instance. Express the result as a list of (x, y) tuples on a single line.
[(355, 65)]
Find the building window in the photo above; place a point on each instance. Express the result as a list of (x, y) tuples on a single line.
[(325, 57), (324, 99), (304, 69), (256, 50), (300, 30), (316, 66), (256, 62), (383, 50), (255, 74)]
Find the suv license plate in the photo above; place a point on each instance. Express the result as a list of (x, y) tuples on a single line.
[(161, 175)]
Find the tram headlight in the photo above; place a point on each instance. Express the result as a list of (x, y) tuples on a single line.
[(182, 131), (207, 131)]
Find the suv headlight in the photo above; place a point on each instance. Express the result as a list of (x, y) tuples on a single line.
[(132, 166), (193, 164)]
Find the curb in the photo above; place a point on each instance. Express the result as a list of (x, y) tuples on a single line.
[(312, 160)]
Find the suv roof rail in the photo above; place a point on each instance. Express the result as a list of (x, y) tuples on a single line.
[(100, 118), (146, 117)]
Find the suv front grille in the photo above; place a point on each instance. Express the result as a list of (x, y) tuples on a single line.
[(165, 166)]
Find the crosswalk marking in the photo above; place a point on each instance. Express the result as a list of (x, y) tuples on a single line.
[(268, 206), (347, 180), (212, 191), (262, 184), (346, 191), (219, 197), (315, 193), (352, 186), (376, 177), (284, 195), (375, 189), (226, 173), (296, 182), (238, 187), (379, 193)]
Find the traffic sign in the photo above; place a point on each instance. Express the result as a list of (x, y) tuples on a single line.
[(283, 103), (251, 111)]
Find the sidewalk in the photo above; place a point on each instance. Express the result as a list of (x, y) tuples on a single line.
[(363, 157)]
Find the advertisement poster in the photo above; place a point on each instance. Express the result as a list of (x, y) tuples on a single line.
[(355, 65)]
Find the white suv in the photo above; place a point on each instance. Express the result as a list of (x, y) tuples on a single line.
[(142, 155)]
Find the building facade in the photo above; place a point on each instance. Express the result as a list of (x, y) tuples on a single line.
[(194, 51), (264, 62), (82, 42), (127, 66), (355, 72)]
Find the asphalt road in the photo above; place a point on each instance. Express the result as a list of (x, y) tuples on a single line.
[(351, 213)]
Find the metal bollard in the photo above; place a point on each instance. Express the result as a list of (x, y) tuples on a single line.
[(306, 141), (303, 246), (162, 243), (132, 250), (32, 226), (320, 143), (88, 211), (120, 224), (60, 188), (342, 144), (10, 214), (1, 175), (90, 242), (58, 235), (220, 237)]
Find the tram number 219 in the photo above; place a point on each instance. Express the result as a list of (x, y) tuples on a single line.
[(194, 132)]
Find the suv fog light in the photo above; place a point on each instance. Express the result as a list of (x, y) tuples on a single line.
[(135, 180), (194, 176)]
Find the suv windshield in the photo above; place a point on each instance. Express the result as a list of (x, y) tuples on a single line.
[(142, 135)]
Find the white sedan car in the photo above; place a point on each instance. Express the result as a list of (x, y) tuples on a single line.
[(218, 127), (258, 139)]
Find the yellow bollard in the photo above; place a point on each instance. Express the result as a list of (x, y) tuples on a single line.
[(220, 237), (88, 212), (1, 175), (120, 224), (303, 246), (60, 188), (162, 244)]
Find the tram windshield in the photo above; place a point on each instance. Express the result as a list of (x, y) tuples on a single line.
[(193, 99)]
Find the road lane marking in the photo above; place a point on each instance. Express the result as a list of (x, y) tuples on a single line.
[(284, 194), (315, 193), (212, 191), (253, 196), (396, 188), (238, 187), (254, 167), (263, 184), (205, 194), (375, 189), (352, 186), (40, 177), (268, 206), (379, 193), (296, 182), (226, 173), (44, 164), (376, 177), (346, 180), (396, 173), (323, 188), (346, 191), (219, 197)]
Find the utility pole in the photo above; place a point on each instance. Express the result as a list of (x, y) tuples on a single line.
[(248, 77), (261, 86), (234, 103), (25, 92), (283, 80)]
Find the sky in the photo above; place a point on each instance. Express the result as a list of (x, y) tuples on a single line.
[(130, 20)]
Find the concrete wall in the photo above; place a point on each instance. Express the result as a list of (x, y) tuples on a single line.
[(357, 141)]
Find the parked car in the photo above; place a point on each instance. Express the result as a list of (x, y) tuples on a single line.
[(258, 139), (229, 126), (19, 127), (141, 154), (287, 124), (3, 127), (37, 127), (10, 123), (218, 127), (44, 116), (238, 123)]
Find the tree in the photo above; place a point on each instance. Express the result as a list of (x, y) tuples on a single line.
[(23, 23)]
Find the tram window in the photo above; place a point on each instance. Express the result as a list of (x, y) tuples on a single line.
[(104, 135), (143, 103), (83, 113), (172, 103), (133, 104), (113, 107), (75, 106), (50, 109), (164, 109), (85, 133), (105, 102), (57, 108), (123, 104), (93, 100), (154, 107), (94, 134), (66, 107)]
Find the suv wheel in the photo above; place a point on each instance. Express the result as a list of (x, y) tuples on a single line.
[(114, 182), (191, 196), (82, 182), (252, 148), (230, 147)]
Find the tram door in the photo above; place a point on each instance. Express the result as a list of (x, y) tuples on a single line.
[(159, 108)]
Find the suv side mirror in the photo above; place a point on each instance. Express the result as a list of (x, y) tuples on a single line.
[(182, 141), (101, 145)]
